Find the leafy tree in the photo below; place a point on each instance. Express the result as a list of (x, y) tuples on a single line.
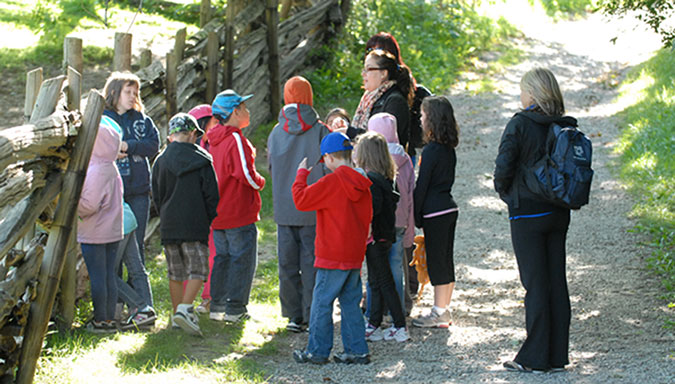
[(658, 14)]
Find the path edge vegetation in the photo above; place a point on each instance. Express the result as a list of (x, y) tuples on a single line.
[(647, 163)]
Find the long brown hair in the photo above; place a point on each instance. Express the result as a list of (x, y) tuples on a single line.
[(372, 154), (439, 124), (113, 89)]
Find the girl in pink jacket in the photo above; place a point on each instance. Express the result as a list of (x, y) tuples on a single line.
[(99, 227)]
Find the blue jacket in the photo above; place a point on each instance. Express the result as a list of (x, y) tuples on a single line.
[(142, 137)]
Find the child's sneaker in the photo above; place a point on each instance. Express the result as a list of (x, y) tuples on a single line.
[(143, 318), (236, 318), (204, 306), (374, 333), (302, 356), (296, 326), (398, 334), (101, 326), (434, 320), (186, 319), (217, 316), (348, 358)]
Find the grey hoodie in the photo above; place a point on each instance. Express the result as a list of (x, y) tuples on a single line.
[(297, 135)]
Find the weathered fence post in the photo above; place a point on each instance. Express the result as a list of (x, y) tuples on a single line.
[(285, 8), (52, 264), (171, 85), (72, 54), (122, 55), (33, 83), (179, 44), (68, 284), (204, 13), (74, 94), (47, 98), (146, 58), (228, 70), (272, 21), (211, 66)]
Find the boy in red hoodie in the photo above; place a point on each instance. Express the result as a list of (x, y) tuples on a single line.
[(234, 232), (343, 206)]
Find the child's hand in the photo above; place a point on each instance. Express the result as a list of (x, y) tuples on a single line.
[(303, 165), (339, 123)]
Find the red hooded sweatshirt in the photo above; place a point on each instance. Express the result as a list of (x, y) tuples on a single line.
[(238, 181), (344, 210)]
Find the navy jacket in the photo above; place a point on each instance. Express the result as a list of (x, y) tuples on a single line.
[(142, 137)]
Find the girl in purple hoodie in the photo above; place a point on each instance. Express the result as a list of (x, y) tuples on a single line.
[(99, 227), (385, 123)]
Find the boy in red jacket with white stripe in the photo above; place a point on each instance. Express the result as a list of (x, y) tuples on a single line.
[(344, 210), (234, 232)]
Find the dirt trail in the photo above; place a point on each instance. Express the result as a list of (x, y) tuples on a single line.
[(616, 331)]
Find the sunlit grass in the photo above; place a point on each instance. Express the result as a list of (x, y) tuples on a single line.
[(648, 159)]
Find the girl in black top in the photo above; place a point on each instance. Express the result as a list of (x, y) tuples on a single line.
[(538, 228), (435, 209), (372, 154)]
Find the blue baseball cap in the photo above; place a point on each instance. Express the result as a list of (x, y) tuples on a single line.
[(225, 103), (334, 142)]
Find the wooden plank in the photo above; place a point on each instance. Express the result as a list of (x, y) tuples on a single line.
[(228, 70), (212, 55), (50, 271), (33, 83), (72, 54), (146, 58), (28, 141), (122, 55), (272, 20), (68, 285), (20, 218), (179, 44), (204, 13), (20, 180), (171, 89), (74, 95), (47, 98), (285, 9)]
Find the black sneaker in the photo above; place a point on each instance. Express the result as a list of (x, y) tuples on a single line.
[(143, 319), (302, 356), (348, 358)]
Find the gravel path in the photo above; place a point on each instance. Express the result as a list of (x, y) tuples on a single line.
[(616, 331)]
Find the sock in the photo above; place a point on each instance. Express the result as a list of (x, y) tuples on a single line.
[(439, 310)]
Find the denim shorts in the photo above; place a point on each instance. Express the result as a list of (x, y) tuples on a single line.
[(187, 261)]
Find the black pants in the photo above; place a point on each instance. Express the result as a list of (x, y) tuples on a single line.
[(439, 240), (382, 286), (539, 244)]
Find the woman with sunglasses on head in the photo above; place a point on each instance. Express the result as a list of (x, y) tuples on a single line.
[(388, 88)]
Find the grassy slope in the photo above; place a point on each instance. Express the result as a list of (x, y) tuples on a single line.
[(648, 160)]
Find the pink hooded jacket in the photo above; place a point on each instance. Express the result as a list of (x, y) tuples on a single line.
[(385, 123), (100, 206)]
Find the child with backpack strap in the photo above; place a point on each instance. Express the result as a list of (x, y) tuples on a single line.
[(538, 224)]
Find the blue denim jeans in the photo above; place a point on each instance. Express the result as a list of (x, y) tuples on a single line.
[(140, 295), (346, 287), (396, 266), (295, 247), (100, 261), (140, 206), (233, 268)]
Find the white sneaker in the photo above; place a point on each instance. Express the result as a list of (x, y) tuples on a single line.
[(217, 316), (374, 333), (236, 318), (204, 306), (186, 319), (398, 334)]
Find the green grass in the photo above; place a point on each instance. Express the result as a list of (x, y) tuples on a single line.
[(647, 148)]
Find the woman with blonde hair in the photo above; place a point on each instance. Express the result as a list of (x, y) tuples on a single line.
[(538, 228), (140, 142), (372, 155)]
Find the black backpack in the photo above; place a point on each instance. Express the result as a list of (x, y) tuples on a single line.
[(563, 174), (416, 140)]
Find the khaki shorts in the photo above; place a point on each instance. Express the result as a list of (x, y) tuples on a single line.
[(187, 261)]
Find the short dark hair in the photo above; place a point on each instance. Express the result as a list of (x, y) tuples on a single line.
[(439, 123)]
